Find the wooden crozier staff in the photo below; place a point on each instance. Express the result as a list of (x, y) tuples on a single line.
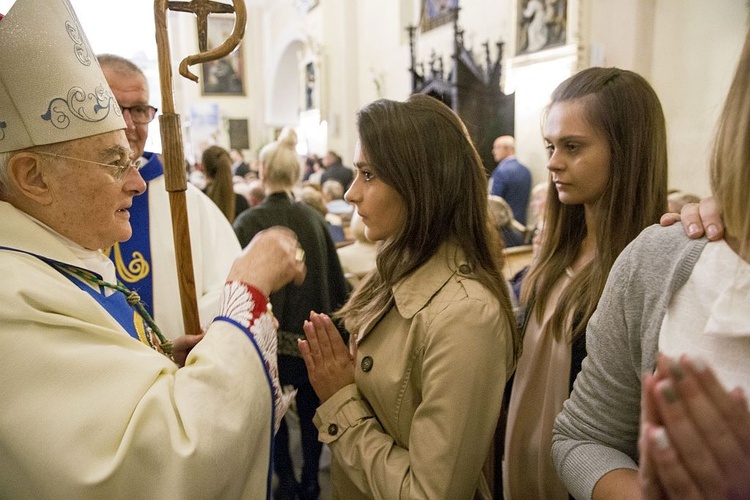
[(171, 135)]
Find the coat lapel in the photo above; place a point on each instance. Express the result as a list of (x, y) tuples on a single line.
[(411, 294)]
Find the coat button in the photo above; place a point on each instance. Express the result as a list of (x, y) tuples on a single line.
[(366, 363), (333, 429), (464, 269)]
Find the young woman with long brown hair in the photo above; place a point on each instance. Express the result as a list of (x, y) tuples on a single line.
[(648, 418), (606, 137), (412, 410)]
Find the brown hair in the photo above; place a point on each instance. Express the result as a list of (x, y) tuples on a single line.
[(419, 147), (218, 166), (627, 111)]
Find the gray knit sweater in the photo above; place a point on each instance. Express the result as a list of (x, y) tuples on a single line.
[(597, 430)]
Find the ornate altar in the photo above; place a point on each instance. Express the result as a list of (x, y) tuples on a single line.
[(470, 88)]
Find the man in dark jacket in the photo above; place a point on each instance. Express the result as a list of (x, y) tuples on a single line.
[(335, 170)]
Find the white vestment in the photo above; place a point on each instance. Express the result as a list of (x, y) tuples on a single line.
[(89, 412), (214, 247)]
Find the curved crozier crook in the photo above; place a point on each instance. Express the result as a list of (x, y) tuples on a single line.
[(222, 50)]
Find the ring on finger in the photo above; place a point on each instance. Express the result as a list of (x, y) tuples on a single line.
[(299, 255)]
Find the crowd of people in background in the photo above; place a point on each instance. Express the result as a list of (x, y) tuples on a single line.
[(376, 300), (245, 190), (233, 182), (521, 215)]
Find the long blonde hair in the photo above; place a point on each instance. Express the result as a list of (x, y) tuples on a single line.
[(280, 165), (624, 107), (422, 150), (730, 175)]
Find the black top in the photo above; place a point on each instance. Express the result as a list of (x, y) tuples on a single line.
[(242, 169), (325, 289), (240, 204), (338, 172), (512, 237)]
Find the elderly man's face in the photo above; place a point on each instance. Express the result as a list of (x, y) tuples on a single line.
[(90, 206)]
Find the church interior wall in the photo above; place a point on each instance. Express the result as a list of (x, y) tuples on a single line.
[(687, 49), (341, 56), (283, 89), (696, 48)]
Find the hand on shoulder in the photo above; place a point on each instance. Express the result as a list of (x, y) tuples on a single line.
[(698, 219)]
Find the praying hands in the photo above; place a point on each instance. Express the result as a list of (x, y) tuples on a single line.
[(330, 365), (695, 435)]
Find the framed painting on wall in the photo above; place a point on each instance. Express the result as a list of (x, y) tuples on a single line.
[(310, 90), (310, 84), (224, 76), (436, 13), (239, 134), (541, 24)]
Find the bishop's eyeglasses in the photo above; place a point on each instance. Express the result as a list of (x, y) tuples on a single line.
[(117, 169)]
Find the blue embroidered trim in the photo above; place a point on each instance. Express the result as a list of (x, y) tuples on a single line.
[(84, 106), (249, 335), (116, 305), (80, 48), (132, 258)]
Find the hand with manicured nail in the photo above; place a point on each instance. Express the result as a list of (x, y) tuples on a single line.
[(698, 219), (695, 435)]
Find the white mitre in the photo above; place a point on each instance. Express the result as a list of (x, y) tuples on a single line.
[(51, 86)]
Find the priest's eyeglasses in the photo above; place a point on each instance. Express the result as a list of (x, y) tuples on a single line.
[(140, 114), (118, 171)]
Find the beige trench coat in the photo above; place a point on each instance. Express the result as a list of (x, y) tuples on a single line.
[(430, 375)]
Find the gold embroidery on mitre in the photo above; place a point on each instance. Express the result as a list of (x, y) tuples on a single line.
[(136, 270)]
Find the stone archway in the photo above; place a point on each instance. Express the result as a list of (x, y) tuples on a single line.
[(285, 93)]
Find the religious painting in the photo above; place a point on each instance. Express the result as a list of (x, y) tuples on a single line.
[(310, 83), (541, 24), (224, 76), (436, 13), (310, 94)]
